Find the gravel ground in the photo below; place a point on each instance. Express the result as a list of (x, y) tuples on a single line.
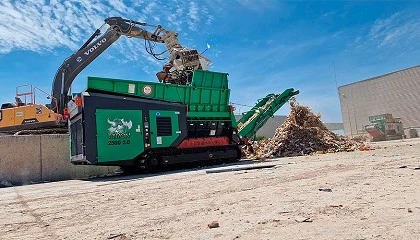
[(356, 195)]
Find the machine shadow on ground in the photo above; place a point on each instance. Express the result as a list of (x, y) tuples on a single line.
[(174, 169)]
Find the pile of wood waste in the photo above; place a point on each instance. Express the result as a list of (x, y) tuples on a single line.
[(302, 133)]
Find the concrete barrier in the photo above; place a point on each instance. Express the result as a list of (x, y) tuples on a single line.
[(26, 159), (20, 159)]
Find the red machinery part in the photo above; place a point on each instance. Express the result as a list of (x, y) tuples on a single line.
[(78, 101), (204, 142), (66, 114)]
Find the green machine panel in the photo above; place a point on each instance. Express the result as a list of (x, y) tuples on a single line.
[(119, 134), (210, 79), (207, 97), (164, 128)]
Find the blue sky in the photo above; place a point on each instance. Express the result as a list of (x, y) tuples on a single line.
[(266, 46)]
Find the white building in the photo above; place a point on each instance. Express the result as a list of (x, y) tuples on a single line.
[(397, 93)]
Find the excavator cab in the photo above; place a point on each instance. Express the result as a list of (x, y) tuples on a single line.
[(19, 102)]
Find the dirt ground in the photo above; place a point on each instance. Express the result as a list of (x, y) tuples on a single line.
[(365, 195)]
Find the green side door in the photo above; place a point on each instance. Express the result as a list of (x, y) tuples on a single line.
[(119, 134), (164, 128)]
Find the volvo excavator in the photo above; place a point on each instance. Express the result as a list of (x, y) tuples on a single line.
[(29, 116)]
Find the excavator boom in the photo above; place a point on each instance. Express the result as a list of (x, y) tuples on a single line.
[(180, 59), (89, 51), (73, 65)]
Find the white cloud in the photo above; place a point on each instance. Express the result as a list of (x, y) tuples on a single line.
[(44, 26), (148, 10), (330, 13), (382, 24), (193, 16), (119, 6), (399, 28), (258, 5), (209, 18)]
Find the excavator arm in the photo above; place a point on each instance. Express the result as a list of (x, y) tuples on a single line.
[(182, 61), (74, 64)]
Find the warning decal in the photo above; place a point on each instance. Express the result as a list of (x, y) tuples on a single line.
[(147, 90)]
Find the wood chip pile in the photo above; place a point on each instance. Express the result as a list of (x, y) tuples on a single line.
[(302, 133)]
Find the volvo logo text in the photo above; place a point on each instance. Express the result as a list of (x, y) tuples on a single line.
[(94, 47)]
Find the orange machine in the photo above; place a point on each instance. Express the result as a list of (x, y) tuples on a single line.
[(23, 115)]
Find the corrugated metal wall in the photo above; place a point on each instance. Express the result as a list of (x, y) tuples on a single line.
[(397, 93)]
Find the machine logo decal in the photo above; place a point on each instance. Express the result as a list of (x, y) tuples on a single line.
[(119, 128), (94, 47), (30, 120), (147, 90)]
